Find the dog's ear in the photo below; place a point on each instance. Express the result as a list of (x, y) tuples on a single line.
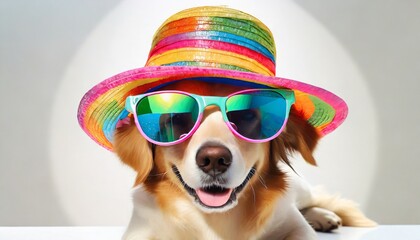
[(133, 149), (299, 136)]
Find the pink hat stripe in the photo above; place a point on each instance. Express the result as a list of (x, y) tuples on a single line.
[(219, 46)]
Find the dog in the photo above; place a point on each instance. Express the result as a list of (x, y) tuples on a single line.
[(256, 194)]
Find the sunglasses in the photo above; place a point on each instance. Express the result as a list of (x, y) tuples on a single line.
[(170, 117)]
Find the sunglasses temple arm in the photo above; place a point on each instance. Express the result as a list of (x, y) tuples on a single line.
[(129, 104), (290, 97)]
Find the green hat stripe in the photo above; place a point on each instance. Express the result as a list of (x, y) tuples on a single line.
[(323, 114)]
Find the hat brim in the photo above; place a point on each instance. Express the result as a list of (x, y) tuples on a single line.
[(103, 106)]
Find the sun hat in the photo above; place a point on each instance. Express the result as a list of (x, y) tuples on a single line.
[(212, 44)]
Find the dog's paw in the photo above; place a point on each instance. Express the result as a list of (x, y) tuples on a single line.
[(321, 219)]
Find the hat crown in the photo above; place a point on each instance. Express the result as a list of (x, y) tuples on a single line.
[(215, 37)]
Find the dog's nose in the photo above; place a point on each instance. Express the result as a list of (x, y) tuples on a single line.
[(213, 159)]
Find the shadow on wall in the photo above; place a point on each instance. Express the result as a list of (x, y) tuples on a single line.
[(38, 39), (383, 37)]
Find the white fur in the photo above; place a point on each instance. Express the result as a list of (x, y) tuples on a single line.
[(287, 222)]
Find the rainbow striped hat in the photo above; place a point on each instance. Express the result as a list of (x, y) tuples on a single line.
[(215, 44)]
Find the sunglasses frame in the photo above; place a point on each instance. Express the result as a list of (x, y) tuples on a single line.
[(205, 101)]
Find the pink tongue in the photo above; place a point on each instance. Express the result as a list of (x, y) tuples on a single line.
[(215, 199)]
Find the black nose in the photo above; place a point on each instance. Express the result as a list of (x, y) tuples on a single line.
[(213, 159)]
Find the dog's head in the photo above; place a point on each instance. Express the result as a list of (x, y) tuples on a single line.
[(213, 167)]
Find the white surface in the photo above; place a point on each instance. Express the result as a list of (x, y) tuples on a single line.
[(61, 233), (391, 232), (384, 232)]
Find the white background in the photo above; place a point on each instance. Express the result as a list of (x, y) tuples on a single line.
[(52, 52)]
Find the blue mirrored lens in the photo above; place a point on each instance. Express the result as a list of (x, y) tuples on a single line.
[(167, 117), (258, 114)]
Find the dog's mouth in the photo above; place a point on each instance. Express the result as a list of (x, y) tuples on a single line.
[(214, 195)]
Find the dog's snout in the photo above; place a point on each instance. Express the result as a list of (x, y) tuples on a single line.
[(214, 160)]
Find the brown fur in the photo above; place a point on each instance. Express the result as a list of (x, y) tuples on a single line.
[(134, 150), (299, 136)]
